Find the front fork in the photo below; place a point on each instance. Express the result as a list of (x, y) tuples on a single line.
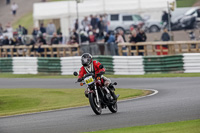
[(95, 89)]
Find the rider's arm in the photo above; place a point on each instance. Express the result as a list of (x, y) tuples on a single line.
[(81, 72), (97, 64)]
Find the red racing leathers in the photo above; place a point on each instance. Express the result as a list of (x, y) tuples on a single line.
[(97, 70)]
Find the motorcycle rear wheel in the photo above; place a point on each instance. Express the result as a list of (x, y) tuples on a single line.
[(94, 105)]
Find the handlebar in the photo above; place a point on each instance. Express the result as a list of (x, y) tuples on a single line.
[(91, 74)]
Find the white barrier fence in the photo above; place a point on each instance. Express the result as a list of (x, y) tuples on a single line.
[(25, 65), (70, 64), (191, 62), (128, 65)]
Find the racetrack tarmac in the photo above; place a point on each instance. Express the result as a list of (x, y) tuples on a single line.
[(177, 100)]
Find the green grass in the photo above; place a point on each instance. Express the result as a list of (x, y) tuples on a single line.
[(26, 21), (20, 101), (185, 3), (162, 75), (192, 126)]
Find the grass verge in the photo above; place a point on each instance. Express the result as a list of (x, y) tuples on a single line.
[(9, 75), (20, 101), (185, 3), (191, 126), (26, 21)]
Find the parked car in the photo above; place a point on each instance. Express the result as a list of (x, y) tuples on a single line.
[(152, 26), (125, 21), (186, 20)]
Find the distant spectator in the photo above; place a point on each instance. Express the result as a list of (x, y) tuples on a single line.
[(91, 37), (14, 41), (101, 28), (51, 28), (41, 41), (20, 30), (143, 38), (111, 43), (165, 18), (76, 25), (93, 22), (165, 36), (121, 32), (84, 38), (14, 8), (1, 40), (72, 40), (9, 29), (7, 2), (60, 38), (42, 28), (105, 22), (54, 39), (89, 30), (1, 29), (25, 31), (120, 39), (142, 35), (134, 39), (35, 33), (32, 43), (6, 40), (85, 23), (75, 35)]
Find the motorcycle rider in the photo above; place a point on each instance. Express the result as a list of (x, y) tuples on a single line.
[(93, 66)]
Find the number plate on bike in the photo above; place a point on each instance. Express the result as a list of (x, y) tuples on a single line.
[(89, 80)]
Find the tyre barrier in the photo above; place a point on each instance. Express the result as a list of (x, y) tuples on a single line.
[(128, 65), (163, 64), (117, 65), (6, 65), (25, 65), (191, 63)]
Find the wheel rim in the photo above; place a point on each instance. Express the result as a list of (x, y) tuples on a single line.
[(114, 106), (154, 29), (96, 103)]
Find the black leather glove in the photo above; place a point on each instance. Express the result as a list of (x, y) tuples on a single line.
[(79, 80)]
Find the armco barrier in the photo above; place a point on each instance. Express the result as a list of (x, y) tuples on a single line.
[(163, 64), (128, 65), (25, 65), (6, 65), (49, 65), (191, 62)]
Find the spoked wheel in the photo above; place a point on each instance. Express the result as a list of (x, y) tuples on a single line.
[(113, 108), (96, 107)]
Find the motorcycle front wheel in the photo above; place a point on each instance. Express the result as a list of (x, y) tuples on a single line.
[(96, 107), (113, 108)]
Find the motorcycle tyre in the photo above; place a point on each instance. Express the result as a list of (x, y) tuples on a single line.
[(113, 108), (97, 110)]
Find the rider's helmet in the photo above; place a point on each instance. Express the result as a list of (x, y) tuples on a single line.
[(86, 59)]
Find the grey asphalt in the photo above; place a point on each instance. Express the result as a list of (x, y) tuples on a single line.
[(177, 100)]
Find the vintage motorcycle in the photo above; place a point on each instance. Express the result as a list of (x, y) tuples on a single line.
[(98, 95)]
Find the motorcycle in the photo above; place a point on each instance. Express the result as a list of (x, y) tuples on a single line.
[(98, 95)]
